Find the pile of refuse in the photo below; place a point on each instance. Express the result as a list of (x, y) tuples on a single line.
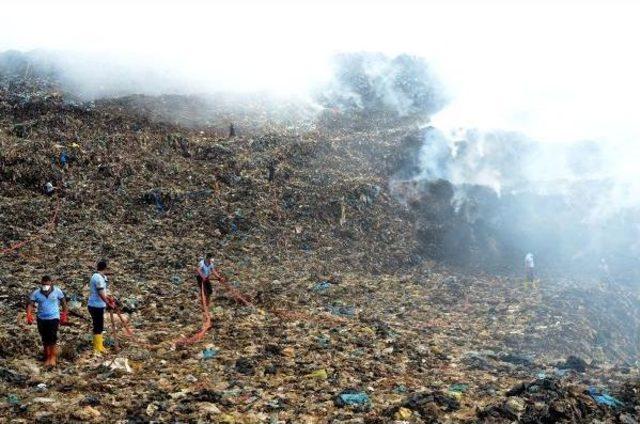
[(332, 312)]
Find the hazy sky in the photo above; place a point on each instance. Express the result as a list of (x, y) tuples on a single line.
[(558, 71)]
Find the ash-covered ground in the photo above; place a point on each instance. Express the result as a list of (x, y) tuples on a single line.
[(352, 286)]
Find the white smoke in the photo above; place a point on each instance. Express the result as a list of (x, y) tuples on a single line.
[(558, 73), (510, 162)]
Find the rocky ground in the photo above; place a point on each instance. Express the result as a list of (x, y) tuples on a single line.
[(348, 320)]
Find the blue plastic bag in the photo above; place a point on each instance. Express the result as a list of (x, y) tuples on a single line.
[(209, 353), (603, 398), (353, 398), (322, 286)]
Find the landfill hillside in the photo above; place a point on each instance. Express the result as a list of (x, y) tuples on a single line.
[(334, 311)]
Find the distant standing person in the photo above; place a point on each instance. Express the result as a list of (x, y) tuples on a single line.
[(205, 270), (98, 302), (605, 274), (529, 267), (48, 299)]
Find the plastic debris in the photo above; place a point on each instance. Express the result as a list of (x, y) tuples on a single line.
[(209, 353), (322, 286), (118, 364), (303, 216), (13, 399), (603, 398), (458, 387), (343, 311), (320, 374), (352, 398), (403, 414)]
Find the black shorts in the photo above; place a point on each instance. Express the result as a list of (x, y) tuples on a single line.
[(97, 317), (48, 329), (208, 289)]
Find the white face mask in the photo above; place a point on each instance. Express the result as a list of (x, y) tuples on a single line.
[(46, 287)]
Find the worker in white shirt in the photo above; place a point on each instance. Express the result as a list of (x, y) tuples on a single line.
[(205, 271), (529, 268)]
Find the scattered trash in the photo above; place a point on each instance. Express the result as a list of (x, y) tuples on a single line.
[(627, 419), (320, 374), (209, 353), (118, 364), (352, 398), (574, 363), (423, 401), (129, 305), (87, 413), (342, 311), (158, 202), (515, 406), (12, 376), (43, 400), (602, 398), (516, 359), (13, 399), (245, 366), (323, 341), (74, 302), (322, 286), (301, 216), (90, 400), (403, 414), (458, 387), (49, 189), (400, 389), (64, 158), (226, 419)]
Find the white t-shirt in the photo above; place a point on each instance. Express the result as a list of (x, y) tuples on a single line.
[(98, 282), (204, 269), (528, 260)]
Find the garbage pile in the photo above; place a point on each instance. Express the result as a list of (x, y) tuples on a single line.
[(344, 319)]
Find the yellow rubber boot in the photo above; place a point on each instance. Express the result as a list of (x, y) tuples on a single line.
[(95, 344), (98, 344)]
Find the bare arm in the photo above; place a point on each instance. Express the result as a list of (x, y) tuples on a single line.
[(103, 295), (201, 274), (218, 275), (63, 301)]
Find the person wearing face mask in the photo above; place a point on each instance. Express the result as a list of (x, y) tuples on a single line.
[(48, 299), (98, 302)]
